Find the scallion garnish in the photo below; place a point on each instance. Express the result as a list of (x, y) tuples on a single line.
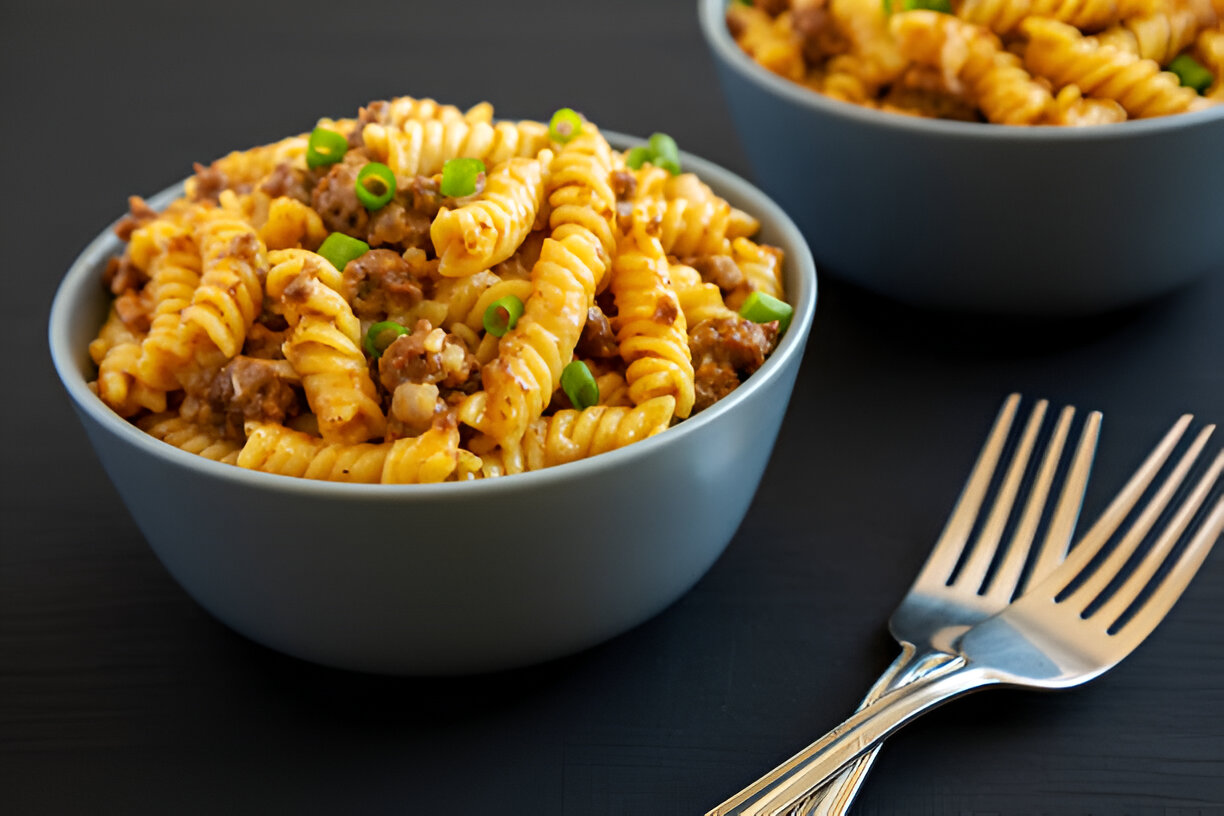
[(942, 6), (375, 186), (459, 177), (339, 249), (1191, 73), (502, 315), (636, 157), (380, 336), (325, 147), (661, 152), (579, 385), (564, 125), (762, 308)]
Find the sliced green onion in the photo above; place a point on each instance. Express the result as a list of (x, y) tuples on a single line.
[(502, 315), (636, 157), (325, 147), (339, 249), (381, 335), (664, 147), (564, 125), (762, 308), (459, 177), (375, 186), (942, 6), (1191, 73), (579, 385)]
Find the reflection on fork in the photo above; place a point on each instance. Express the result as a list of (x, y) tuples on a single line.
[(1078, 622)]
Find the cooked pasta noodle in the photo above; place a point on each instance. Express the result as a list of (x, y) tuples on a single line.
[(274, 319), (1013, 62)]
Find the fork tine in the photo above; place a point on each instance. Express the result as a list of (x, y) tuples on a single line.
[(974, 572), (1062, 525), (1058, 537), (1102, 577), (947, 551), (1161, 601), (1135, 583), (1099, 534)]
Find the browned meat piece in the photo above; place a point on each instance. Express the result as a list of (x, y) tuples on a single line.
[(287, 180), (820, 33), (396, 225), (335, 197), (133, 310), (139, 214), (250, 388), (427, 355), (666, 311), (624, 183), (772, 7), (209, 182), (381, 282), (719, 270), (374, 112), (265, 342), (725, 351), (597, 340), (121, 275)]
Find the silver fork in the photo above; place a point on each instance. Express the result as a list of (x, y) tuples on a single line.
[(1077, 623), (943, 603)]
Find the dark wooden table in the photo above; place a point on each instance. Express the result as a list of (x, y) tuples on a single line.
[(119, 695)]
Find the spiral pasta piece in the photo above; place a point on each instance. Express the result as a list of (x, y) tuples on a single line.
[(876, 59), (1059, 52), (324, 347), (230, 295), (761, 265), (698, 300), (971, 55), (650, 326), (116, 350), (422, 147), (771, 42), (202, 440), (487, 231), (173, 280), (290, 223), (429, 458), (521, 380), (570, 435), (273, 448), (1005, 16), (581, 196), (1210, 49), (401, 109), (1159, 37)]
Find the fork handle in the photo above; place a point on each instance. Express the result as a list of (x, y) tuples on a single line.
[(835, 797), (792, 781)]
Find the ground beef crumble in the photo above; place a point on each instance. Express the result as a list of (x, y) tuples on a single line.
[(725, 352)]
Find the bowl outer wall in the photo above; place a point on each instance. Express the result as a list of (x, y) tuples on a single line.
[(991, 218), (452, 578)]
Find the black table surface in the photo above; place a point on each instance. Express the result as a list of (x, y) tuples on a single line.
[(119, 695)]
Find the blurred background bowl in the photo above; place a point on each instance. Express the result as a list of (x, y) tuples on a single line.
[(976, 217), (447, 578)]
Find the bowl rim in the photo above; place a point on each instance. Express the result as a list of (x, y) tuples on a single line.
[(713, 26), (82, 273)]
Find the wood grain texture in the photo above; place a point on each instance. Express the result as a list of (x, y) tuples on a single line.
[(119, 695)]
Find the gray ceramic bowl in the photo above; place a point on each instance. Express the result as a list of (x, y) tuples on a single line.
[(989, 218), (449, 578)]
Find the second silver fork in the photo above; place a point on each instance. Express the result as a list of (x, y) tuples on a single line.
[(957, 588)]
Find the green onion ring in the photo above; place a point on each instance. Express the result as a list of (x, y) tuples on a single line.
[(1191, 73), (579, 385), (459, 177), (502, 315), (564, 125), (372, 340), (762, 308), (325, 147), (339, 249), (379, 176)]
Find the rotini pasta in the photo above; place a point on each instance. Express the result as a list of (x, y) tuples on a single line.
[(1014, 62), (275, 319)]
